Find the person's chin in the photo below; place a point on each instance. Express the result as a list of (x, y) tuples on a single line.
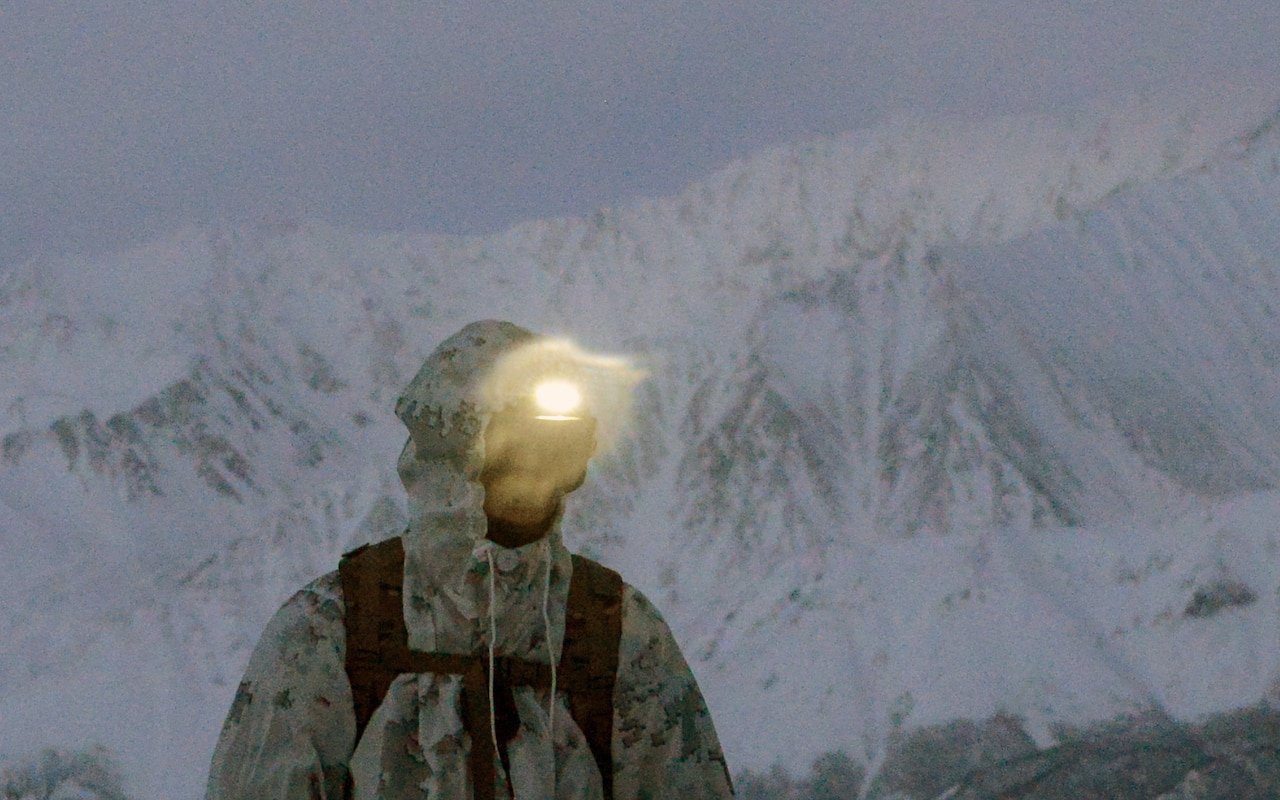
[(524, 518), (525, 514)]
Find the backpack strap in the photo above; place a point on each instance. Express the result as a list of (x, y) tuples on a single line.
[(377, 652), (592, 631), (371, 578)]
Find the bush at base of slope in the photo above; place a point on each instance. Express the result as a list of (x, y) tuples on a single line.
[(59, 774), (1151, 757)]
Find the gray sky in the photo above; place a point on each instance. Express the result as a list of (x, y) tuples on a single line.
[(120, 121)]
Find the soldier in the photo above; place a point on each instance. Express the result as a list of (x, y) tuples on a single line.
[(473, 656)]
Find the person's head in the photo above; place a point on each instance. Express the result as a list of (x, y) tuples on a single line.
[(501, 424), (475, 455), (532, 460)]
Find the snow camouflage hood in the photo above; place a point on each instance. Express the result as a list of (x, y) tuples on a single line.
[(446, 407), (290, 732)]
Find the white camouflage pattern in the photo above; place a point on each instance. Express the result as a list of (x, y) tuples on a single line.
[(290, 732)]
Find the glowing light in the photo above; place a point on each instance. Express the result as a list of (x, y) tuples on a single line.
[(557, 398), (604, 384)]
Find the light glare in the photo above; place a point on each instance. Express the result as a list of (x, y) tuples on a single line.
[(557, 397)]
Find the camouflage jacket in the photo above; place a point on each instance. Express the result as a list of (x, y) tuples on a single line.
[(291, 729)]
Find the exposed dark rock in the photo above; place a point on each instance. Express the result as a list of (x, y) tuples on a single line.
[(318, 372), (15, 444), (65, 430), (139, 474), (1209, 600)]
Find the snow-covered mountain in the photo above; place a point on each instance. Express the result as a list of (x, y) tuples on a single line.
[(943, 418)]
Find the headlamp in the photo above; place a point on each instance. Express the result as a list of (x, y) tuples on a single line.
[(557, 400)]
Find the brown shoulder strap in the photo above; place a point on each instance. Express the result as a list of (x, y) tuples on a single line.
[(372, 577), (593, 628)]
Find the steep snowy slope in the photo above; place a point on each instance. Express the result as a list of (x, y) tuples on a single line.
[(192, 430), (1115, 372), (1162, 309)]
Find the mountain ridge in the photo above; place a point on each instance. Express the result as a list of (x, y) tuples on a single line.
[(224, 447)]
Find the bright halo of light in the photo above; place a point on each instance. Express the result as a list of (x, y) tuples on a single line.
[(557, 398), (604, 383)]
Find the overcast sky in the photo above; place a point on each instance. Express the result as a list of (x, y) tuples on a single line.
[(122, 120)]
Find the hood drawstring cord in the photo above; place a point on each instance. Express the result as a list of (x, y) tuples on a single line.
[(551, 651), (493, 636)]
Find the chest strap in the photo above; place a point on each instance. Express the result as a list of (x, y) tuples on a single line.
[(378, 651)]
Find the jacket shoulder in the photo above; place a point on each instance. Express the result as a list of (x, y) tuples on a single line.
[(308, 626), (326, 589), (665, 745), (647, 650), (638, 612), (321, 598), (291, 715)]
